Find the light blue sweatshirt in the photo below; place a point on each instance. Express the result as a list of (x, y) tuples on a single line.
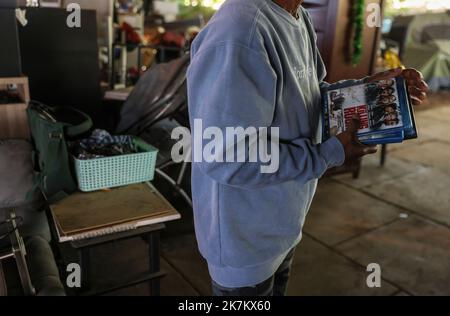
[(256, 65)]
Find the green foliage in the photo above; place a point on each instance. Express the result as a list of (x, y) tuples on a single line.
[(390, 12), (190, 11), (358, 25)]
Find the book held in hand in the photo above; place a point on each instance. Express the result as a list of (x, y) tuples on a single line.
[(384, 108)]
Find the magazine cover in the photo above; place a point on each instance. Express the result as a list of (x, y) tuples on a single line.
[(383, 108)]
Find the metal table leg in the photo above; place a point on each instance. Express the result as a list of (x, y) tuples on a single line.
[(153, 255), (3, 288), (383, 155), (85, 263)]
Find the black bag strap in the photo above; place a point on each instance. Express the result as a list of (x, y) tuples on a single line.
[(75, 130), (69, 129)]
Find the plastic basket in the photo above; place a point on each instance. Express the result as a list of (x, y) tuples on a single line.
[(116, 171)]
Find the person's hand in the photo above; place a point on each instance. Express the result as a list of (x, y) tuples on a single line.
[(417, 86), (354, 150)]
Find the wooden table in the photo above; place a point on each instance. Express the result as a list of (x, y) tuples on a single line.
[(122, 202)]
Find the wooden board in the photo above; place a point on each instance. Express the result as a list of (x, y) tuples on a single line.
[(13, 80), (13, 117), (14, 121), (83, 212)]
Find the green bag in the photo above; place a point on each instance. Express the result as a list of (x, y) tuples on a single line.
[(50, 128)]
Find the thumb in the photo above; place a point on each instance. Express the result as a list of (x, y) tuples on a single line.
[(353, 127)]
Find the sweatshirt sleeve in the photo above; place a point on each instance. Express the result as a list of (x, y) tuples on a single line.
[(230, 86)]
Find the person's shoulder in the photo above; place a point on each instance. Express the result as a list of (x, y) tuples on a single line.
[(239, 12), (307, 18), (233, 23), (305, 13), (242, 6)]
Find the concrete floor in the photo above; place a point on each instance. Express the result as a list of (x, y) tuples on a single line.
[(397, 216)]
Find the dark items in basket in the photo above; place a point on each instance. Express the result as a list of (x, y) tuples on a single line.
[(101, 144)]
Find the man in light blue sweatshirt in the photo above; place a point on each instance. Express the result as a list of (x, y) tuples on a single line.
[(256, 64)]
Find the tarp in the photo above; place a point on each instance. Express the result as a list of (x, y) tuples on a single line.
[(159, 93), (427, 46)]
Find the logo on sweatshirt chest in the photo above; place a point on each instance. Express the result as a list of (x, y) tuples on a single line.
[(302, 73)]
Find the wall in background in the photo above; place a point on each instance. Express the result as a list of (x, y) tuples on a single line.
[(333, 24)]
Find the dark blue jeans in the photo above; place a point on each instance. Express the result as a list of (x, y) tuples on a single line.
[(274, 286)]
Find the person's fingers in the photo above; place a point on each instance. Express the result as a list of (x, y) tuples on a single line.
[(392, 73), (422, 85), (370, 150), (415, 100), (412, 74), (362, 150), (354, 125), (417, 93), (363, 146), (415, 78), (419, 84)]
